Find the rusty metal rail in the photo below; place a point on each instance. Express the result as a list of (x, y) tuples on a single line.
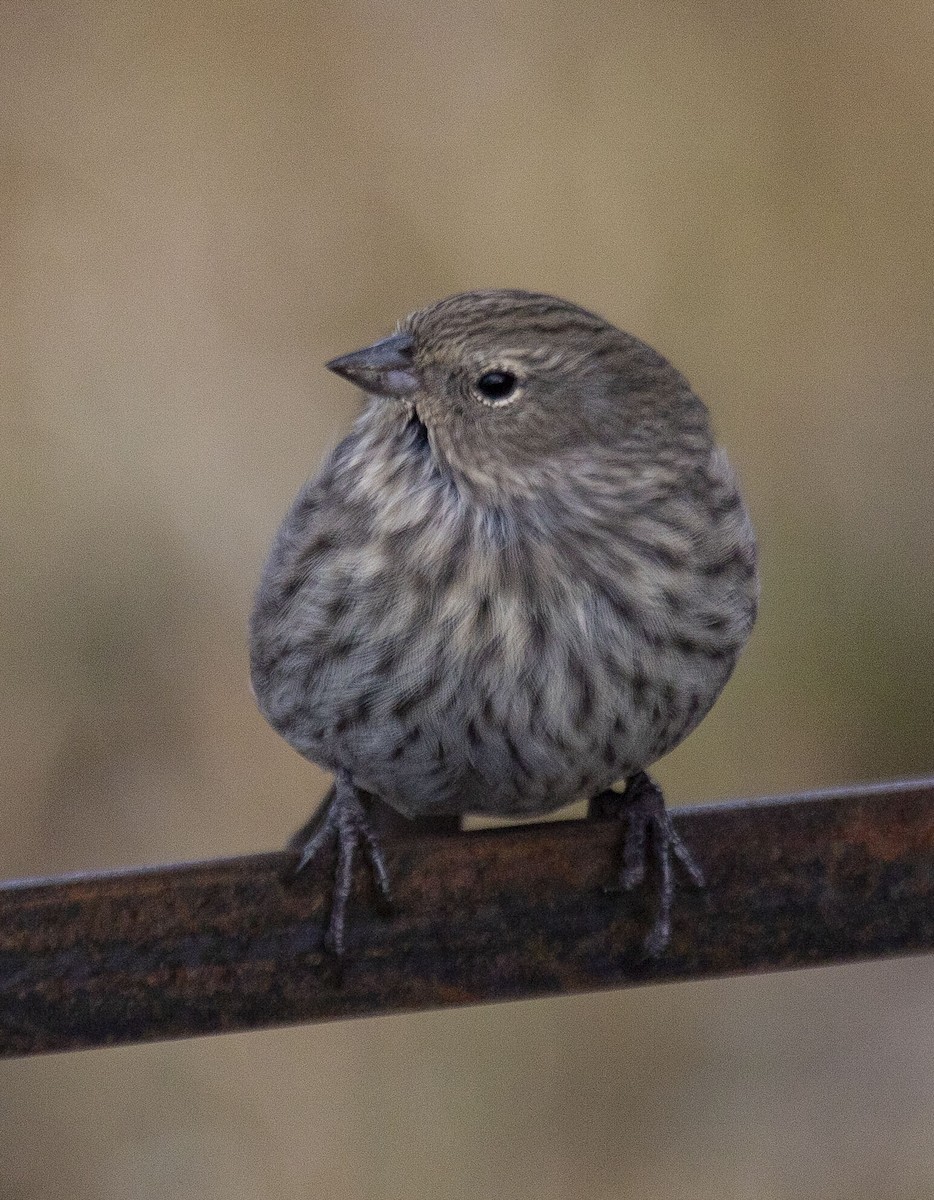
[(500, 914)]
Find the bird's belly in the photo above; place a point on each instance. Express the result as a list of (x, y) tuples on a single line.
[(436, 722)]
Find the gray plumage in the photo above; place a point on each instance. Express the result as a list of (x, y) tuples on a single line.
[(498, 603)]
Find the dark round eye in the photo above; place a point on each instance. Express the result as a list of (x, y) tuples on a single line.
[(496, 385)]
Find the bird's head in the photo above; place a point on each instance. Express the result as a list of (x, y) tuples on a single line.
[(511, 386)]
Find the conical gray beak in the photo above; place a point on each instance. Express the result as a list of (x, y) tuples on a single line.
[(386, 368)]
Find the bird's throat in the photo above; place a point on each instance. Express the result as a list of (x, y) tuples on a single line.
[(418, 433)]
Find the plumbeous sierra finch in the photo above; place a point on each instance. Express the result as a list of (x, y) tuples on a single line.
[(525, 574)]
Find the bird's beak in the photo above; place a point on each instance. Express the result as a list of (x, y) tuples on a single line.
[(387, 368)]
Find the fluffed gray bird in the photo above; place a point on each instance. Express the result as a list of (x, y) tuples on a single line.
[(525, 575)]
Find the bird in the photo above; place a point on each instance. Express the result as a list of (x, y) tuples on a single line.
[(524, 576)]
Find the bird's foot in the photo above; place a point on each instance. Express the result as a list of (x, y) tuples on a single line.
[(342, 822), (650, 838)]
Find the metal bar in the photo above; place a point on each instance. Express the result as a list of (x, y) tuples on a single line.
[(493, 915)]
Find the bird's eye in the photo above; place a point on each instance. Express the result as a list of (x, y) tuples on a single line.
[(496, 386)]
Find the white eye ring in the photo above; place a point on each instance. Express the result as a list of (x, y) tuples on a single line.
[(497, 387)]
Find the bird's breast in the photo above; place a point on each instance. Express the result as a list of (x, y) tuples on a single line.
[(452, 656)]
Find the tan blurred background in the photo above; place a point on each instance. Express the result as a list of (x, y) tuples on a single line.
[(200, 204)]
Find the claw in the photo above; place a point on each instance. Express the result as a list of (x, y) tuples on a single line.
[(343, 822), (650, 836)]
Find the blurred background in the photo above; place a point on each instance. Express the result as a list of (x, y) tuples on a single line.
[(203, 202)]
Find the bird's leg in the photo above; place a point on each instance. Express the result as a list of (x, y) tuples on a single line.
[(650, 838), (345, 819), (342, 821)]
